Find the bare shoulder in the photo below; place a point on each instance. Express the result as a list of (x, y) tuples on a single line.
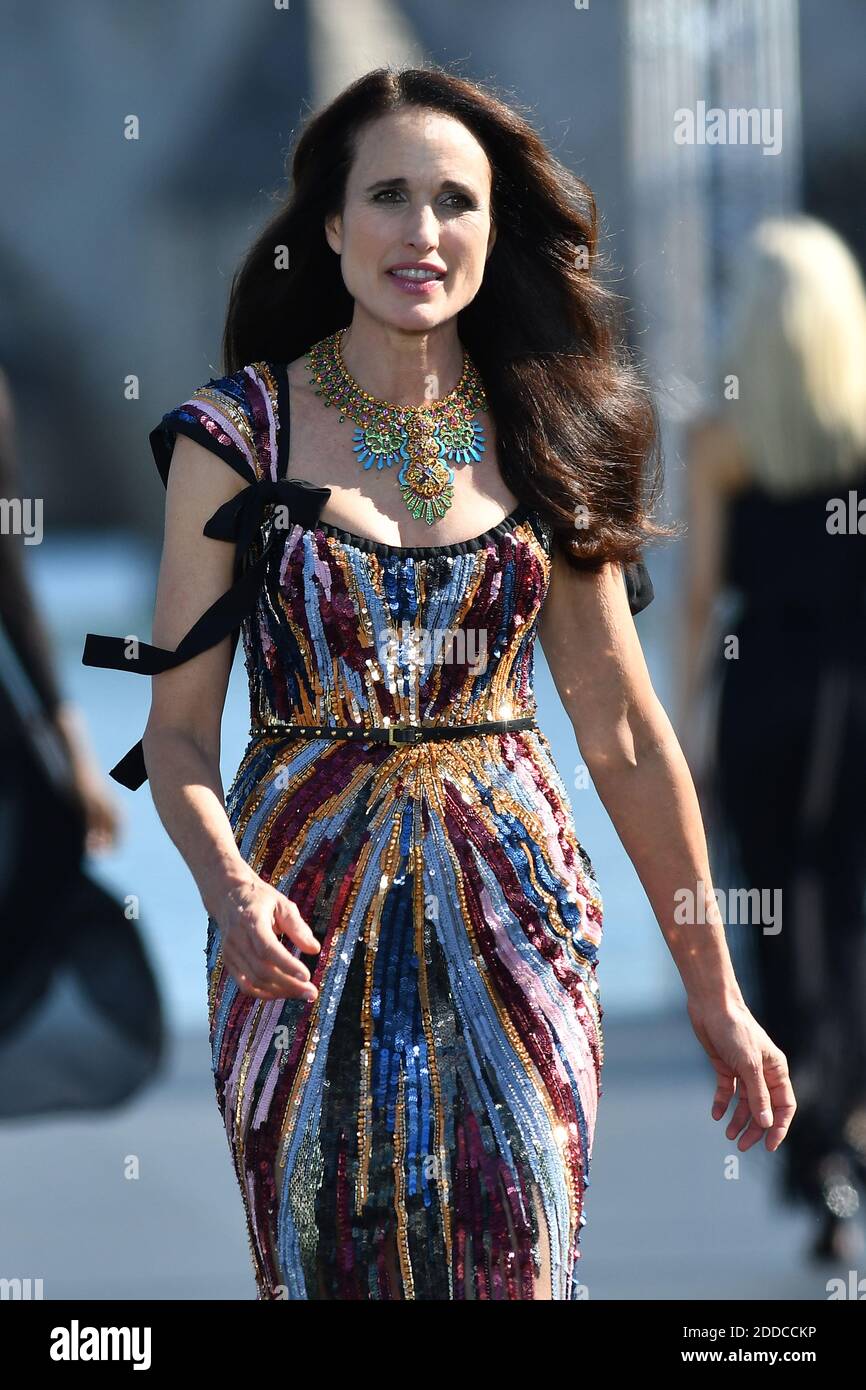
[(198, 483)]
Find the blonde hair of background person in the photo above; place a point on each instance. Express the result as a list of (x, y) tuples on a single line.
[(795, 349)]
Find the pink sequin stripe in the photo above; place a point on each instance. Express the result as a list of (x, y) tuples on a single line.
[(224, 425), (265, 424), (574, 1040)]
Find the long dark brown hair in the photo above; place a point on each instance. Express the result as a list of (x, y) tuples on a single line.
[(577, 430)]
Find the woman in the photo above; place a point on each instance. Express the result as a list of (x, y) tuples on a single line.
[(403, 927), (772, 476)]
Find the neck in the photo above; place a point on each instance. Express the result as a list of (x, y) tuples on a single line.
[(402, 367)]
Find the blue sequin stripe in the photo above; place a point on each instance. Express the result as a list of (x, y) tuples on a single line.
[(447, 608)]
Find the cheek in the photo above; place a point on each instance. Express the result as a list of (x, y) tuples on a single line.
[(364, 255), (468, 261), (466, 247), (368, 240)]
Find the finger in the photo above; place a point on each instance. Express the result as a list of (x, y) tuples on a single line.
[(252, 982), (254, 947), (782, 1118), (751, 1134), (288, 920), (268, 949), (784, 1103), (249, 949), (739, 1119), (759, 1096), (241, 960), (723, 1094), (269, 953), (246, 986)]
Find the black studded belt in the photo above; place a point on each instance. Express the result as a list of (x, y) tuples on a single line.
[(392, 733)]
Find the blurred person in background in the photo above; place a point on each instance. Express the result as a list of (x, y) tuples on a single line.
[(26, 631), (777, 511), (80, 1016)]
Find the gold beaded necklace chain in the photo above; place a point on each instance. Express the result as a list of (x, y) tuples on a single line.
[(424, 439)]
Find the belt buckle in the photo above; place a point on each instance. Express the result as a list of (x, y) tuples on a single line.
[(414, 730)]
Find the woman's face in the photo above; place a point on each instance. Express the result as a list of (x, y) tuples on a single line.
[(418, 193)]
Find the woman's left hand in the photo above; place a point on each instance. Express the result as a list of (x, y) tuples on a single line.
[(747, 1061)]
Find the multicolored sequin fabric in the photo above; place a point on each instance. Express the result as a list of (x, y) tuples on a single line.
[(423, 1129)]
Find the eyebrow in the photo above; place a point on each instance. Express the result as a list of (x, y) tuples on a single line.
[(452, 186)]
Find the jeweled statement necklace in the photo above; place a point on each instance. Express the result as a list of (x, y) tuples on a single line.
[(424, 439)]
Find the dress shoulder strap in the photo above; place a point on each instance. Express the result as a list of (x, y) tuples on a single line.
[(223, 416), (284, 412), (233, 417)]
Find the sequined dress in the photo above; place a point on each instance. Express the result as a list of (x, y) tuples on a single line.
[(424, 1128)]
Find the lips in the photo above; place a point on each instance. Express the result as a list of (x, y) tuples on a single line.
[(418, 275), (415, 282)]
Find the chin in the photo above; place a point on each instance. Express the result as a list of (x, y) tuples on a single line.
[(415, 316)]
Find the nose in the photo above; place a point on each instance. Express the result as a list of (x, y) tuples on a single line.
[(423, 228)]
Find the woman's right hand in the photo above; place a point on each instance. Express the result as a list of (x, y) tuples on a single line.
[(252, 915)]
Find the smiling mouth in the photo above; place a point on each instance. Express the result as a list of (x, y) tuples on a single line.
[(417, 276)]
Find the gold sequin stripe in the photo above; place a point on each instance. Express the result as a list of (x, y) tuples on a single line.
[(232, 412), (592, 1004), (240, 1137), (238, 1149), (239, 1146), (442, 1174), (214, 987), (299, 1085), (414, 757), (267, 467), (370, 937), (400, 1187)]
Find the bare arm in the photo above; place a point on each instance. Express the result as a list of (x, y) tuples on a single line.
[(181, 741), (626, 739)]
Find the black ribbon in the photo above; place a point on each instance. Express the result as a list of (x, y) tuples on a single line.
[(638, 586), (239, 520)]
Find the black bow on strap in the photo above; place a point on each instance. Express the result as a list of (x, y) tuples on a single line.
[(239, 520), (638, 585)]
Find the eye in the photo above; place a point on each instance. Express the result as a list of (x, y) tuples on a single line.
[(462, 200)]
